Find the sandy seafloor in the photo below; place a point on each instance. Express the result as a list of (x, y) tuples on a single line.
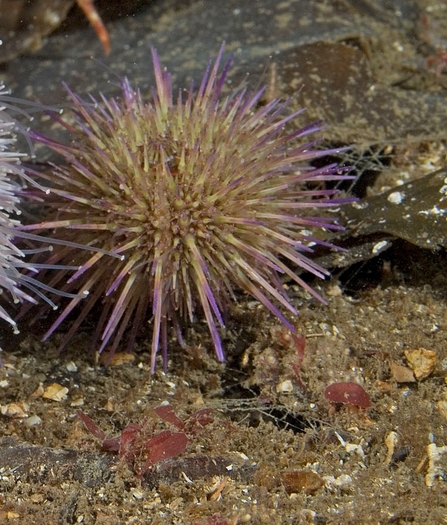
[(277, 451)]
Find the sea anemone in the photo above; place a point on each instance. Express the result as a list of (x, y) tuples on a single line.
[(202, 196)]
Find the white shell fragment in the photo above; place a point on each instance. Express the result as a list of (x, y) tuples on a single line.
[(55, 392), (15, 410), (435, 469), (421, 361)]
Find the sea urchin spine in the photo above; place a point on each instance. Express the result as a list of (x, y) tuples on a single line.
[(203, 195)]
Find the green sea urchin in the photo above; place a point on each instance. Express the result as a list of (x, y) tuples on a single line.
[(19, 282), (11, 258), (16, 272), (203, 195)]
